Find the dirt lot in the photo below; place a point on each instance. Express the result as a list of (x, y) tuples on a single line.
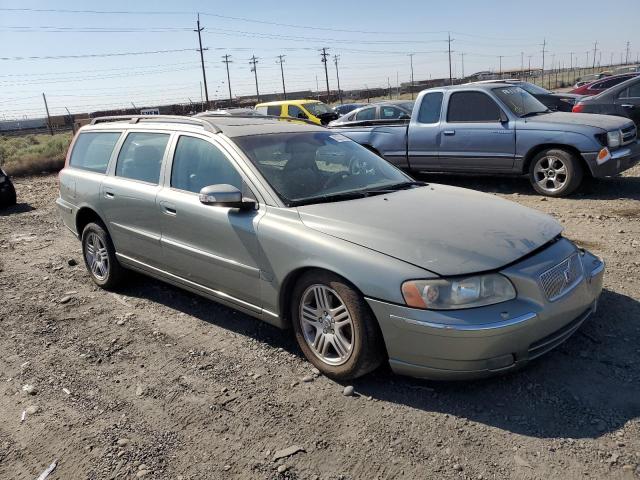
[(155, 382)]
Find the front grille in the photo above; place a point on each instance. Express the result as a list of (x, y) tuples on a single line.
[(629, 134), (562, 278)]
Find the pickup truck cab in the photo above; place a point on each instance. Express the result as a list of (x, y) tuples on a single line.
[(502, 129)]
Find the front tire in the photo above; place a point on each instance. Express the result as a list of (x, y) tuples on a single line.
[(334, 327), (555, 172), (100, 257)]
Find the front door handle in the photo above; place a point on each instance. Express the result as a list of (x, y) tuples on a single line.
[(449, 132), (108, 194), (628, 105), (168, 208)]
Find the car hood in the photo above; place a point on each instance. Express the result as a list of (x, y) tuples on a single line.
[(446, 230), (606, 122)]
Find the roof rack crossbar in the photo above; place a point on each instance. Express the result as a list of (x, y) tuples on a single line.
[(259, 117), (158, 118)]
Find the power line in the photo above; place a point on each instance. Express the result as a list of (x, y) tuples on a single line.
[(97, 55)]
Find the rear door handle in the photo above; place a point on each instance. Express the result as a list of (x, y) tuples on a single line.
[(628, 105), (449, 132), (108, 194)]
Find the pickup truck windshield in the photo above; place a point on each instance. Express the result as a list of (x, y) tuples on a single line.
[(519, 101), (317, 108), (315, 167)]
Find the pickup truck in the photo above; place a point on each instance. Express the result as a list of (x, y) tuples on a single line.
[(502, 129)]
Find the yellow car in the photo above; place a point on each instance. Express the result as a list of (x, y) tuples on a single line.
[(313, 110)]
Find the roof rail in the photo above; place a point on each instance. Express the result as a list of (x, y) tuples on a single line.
[(259, 117), (158, 118)]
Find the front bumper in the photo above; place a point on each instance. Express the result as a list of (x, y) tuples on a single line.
[(478, 342), (619, 160)]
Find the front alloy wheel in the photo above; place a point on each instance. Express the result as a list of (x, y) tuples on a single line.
[(555, 172), (334, 326)]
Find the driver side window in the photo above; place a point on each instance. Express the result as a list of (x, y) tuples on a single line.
[(198, 163), (296, 112), (366, 114)]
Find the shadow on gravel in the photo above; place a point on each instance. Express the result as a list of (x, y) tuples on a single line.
[(585, 388), (595, 189), (15, 209)]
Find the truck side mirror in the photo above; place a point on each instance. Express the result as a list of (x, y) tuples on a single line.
[(503, 117)]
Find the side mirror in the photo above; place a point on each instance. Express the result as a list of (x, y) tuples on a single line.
[(224, 195), (404, 116), (503, 117)]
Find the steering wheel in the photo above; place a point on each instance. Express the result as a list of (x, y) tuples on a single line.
[(359, 166), (335, 179)]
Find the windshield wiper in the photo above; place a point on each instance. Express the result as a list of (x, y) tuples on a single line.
[(332, 197)]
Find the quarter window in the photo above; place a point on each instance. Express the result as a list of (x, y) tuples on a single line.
[(430, 108), (92, 151), (141, 155), (198, 163), (366, 114), (262, 110), (472, 107)]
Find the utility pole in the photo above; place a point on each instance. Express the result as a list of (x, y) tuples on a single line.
[(204, 75), (326, 73), (134, 106), (389, 87), (73, 123), (335, 60), (544, 45), (521, 64), (611, 60), (201, 98), (317, 88), (529, 67), (627, 57), (281, 61), (450, 74), (462, 60), (500, 57), (227, 62), (411, 62), (595, 48), (253, 62), (46, 107)]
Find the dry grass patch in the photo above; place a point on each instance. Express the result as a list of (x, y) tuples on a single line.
[(33, 154)]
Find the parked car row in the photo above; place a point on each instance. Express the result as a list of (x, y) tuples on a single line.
[(300, 226)]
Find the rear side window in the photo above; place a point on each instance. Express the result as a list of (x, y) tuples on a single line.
[(92, 151), (632, 92), (390, 113), (140, 157), (366, 114), (274, 110), (262, 110), (472, 107), (197, 164), (430, 108)]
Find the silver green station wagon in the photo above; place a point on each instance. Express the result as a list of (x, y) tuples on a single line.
[(301, 227)]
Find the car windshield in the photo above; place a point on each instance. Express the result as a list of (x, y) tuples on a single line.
[(315, 167), (519, 101), (533, 89), (318, 108)]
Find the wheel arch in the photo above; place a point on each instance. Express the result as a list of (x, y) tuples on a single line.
[(85, 216), (531, 154)]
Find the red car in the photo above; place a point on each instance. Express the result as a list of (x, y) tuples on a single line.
[(601, 85)]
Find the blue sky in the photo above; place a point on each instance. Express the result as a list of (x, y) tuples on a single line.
[(372, 38)]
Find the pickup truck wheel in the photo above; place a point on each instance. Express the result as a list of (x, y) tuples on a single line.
[(334, 327), (555, 172), (100, 257)]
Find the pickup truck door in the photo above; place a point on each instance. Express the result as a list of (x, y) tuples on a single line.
[(209, 246), (423, 133), (128, 196), (473, 137)]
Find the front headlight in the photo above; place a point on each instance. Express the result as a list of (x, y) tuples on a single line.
[(443, 294), (614, 139)]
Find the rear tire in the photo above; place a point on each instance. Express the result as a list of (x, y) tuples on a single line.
[(555, 172), (100, 257), (8, 199), (334, 326)]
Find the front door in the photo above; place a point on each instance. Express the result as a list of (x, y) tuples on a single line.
[(129, 197), (214, 247), (473, 137), (629, 102)]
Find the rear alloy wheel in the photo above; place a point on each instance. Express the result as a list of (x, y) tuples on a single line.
[(100, 256), (334, 327), (555, 173)]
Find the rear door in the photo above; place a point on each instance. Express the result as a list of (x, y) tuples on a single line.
[(629, 101), (473, 138), (214, 247), (128, 196), (424, 133)]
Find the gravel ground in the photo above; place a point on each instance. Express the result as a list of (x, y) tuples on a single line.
[(158, 383)]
